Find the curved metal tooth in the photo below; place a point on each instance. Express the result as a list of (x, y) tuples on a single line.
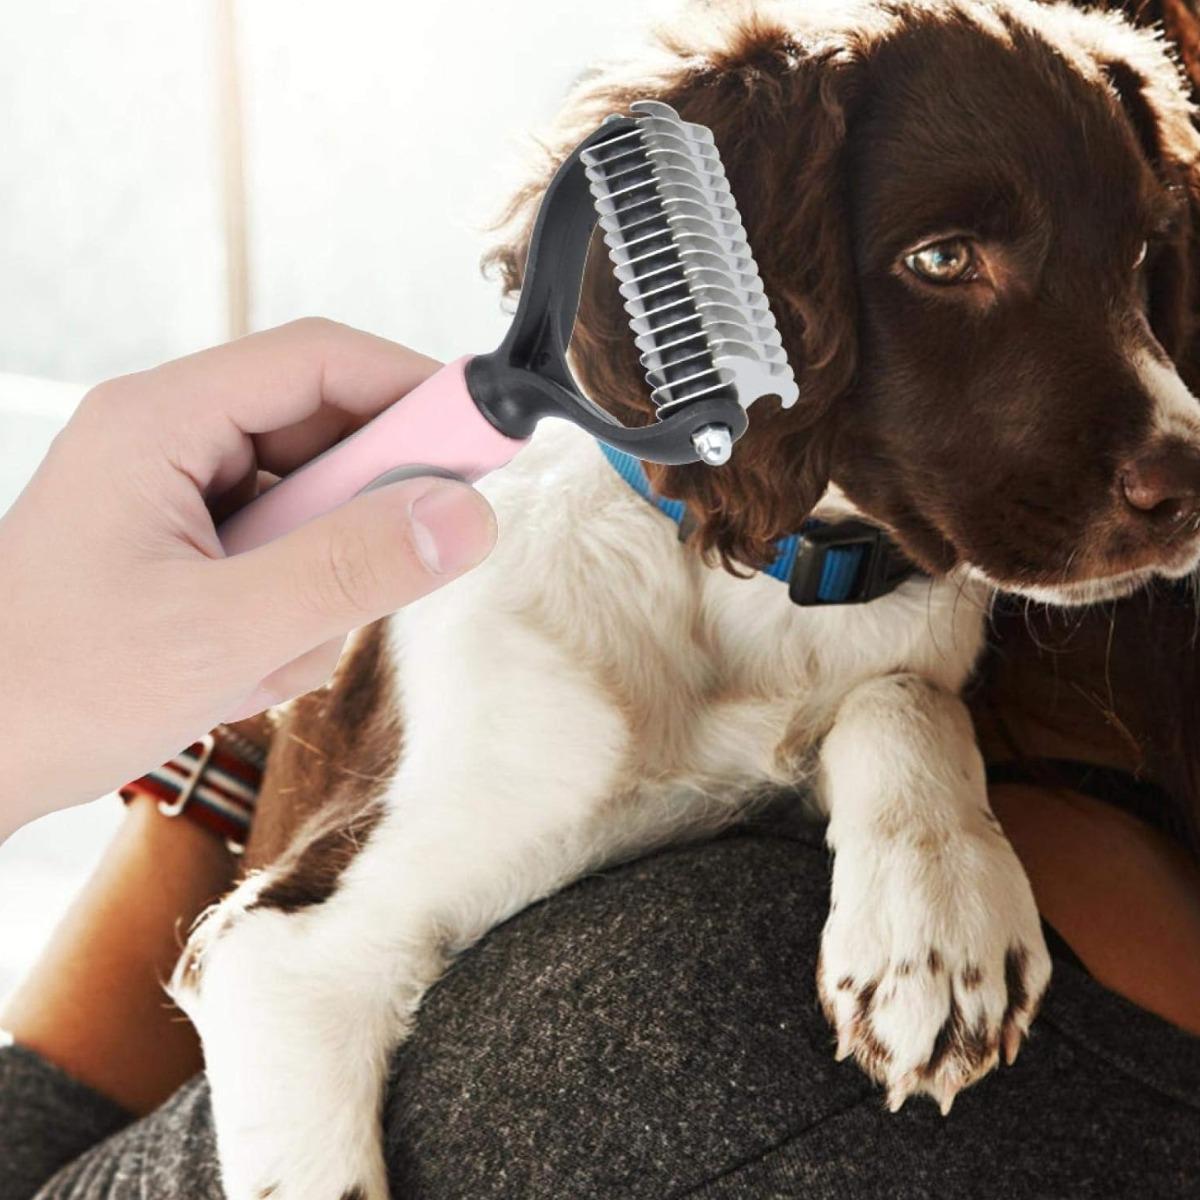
[(700, 318)]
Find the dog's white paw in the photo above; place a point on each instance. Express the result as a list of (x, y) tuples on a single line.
[(295, 1068), (932, 960), (312, 1162), (293, 1121)]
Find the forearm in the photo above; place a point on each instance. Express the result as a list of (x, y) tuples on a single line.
[(94, 1003)]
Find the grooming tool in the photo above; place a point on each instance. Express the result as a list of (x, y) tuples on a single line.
[(699, 317)]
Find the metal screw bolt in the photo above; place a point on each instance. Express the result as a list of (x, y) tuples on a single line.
[(713, 443)]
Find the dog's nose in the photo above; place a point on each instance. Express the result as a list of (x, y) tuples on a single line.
[(1164, 484)]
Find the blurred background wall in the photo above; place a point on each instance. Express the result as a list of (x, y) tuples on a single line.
[(376, 139), (177, 173)]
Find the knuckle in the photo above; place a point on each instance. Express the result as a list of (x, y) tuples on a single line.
[(312, 327), (118, 408), (98, 397), (348, 580), (103, 401)]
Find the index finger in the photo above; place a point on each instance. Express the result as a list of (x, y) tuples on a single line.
[(280, 397)]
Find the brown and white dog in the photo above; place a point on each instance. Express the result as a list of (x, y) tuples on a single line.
[(976, 220)]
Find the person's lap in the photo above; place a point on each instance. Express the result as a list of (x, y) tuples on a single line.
[(654, 1032)]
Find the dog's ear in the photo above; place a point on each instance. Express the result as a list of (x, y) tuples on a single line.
[(778, 111), (1156, 97)]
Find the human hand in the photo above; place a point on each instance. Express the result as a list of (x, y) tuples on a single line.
[(125, 631)]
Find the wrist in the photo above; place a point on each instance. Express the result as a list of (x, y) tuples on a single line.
[(191, 853), (94, 1002)]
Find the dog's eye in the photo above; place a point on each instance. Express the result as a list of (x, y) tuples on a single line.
[(1141, 255), (949, 261)]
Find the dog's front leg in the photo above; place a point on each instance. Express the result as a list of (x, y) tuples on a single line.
[(932, 960), (300, 994)]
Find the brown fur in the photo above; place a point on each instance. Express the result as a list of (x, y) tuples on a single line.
[(1181, 24), (331, 755), (947, 420), (761, 90), (1120, 684)]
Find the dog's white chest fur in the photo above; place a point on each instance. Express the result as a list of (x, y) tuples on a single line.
[(592, 690), (717, 675)]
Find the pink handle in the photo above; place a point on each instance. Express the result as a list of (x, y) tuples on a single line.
[(435, 425)]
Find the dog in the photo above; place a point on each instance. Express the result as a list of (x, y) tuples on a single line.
[(976, 220)]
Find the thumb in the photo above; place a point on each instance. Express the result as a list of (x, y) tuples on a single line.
[(363, 560)]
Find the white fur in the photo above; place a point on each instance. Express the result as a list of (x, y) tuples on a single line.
[(1084, 592), (1176, 411), (594, 689), (921, 865)]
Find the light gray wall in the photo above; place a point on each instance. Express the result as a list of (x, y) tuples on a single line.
[(109, 254), (379, 138)]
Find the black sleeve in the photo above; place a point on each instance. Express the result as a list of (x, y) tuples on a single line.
[(59, 1140), (167, 1155), (47, 1119)]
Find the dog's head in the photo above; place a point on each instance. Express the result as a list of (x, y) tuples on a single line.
[(977, 223)]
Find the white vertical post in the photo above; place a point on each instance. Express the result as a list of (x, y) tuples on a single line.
[(231, 141)]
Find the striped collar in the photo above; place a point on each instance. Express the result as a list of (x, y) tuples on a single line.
[(827, 562)]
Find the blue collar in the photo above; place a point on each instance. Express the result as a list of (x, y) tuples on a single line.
[(827, 562)]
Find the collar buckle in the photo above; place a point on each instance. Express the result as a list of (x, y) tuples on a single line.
[(845, 562), (203, 752)]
